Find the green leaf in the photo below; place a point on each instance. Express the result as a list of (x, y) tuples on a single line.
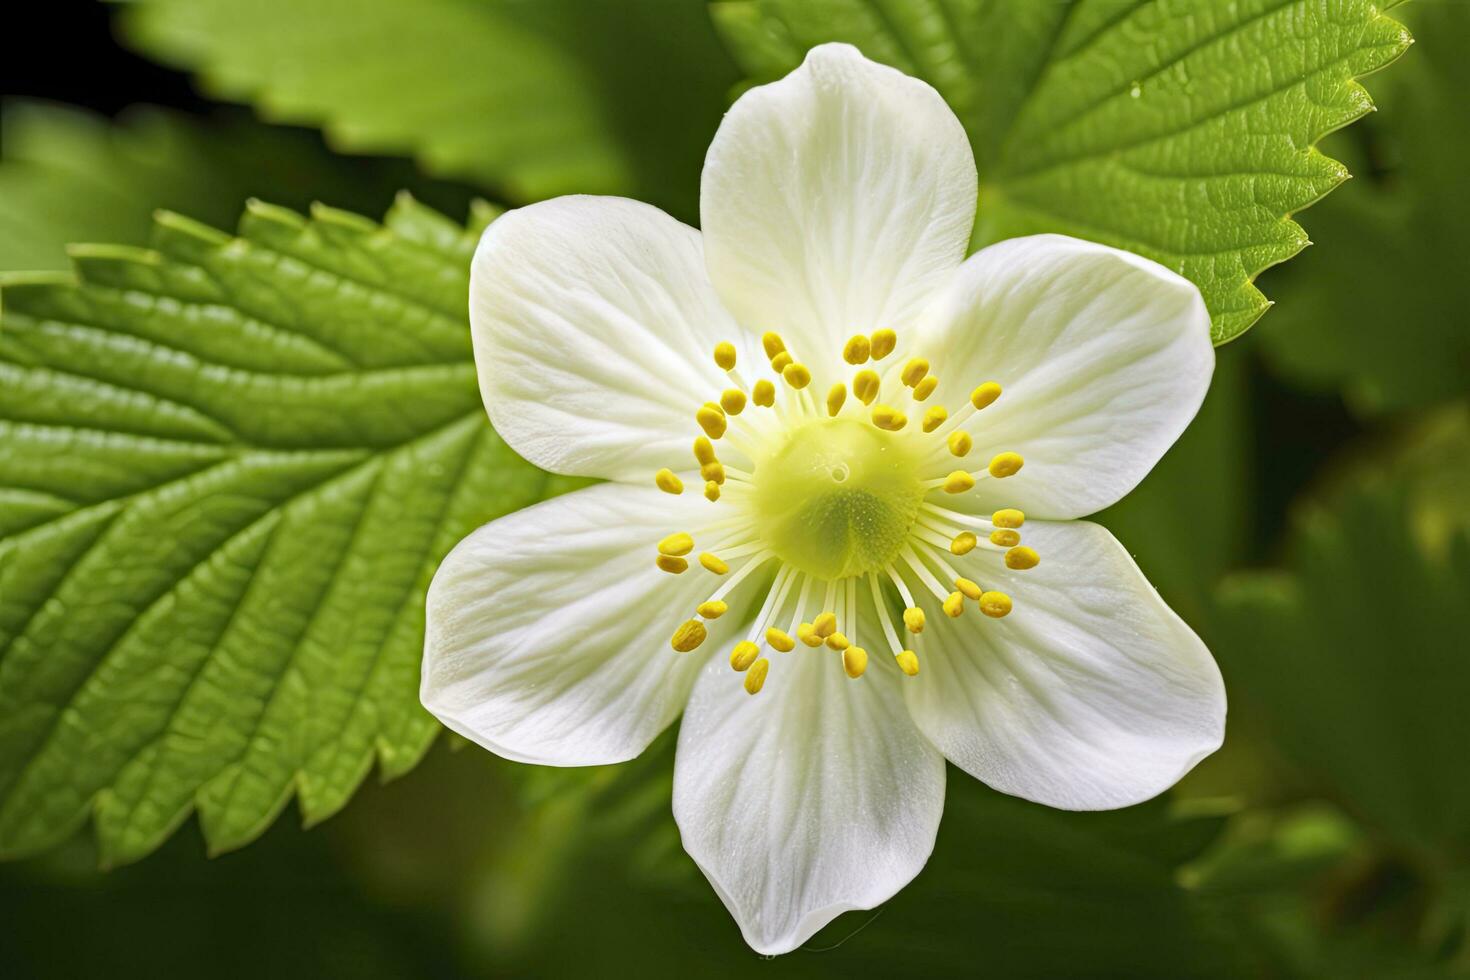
[(529, 97), (231, 465), (1182, 131), (70, 176)]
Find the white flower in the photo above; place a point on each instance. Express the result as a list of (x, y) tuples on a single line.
[(848, 537)]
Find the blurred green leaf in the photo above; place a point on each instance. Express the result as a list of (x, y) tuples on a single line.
[(1182, 131), (531, 98), (231, 466)]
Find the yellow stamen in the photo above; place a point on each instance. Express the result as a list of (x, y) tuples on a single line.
[(985, 395), (744, 655), (732, 400), (925, 388), (969, 588), (913, 371), (676, 544), (711, 491), (780, 640), (782, 361), (960, 443), (1005, 537), (667, 481), (755, 678), (963, 543), (807, 634), (763, 394), (856, 350), (772, 343), (854, 661), (1022, 558), (1003, 465), (908, 662), (825, 624), (671, 564), (913, 618), (836, 395), (712, 420), (1008, 517), (713, 609), (959, 482), (883, 342), (838, 642), (887, 417), (934, 418), (713, 472), (865, 385), (954, 605), (796, 375), (995, 604), (689, 636), (725, 355), (704, 451), (713, 563)]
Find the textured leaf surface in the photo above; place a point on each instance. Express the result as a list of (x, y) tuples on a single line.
[(531, 97), (230, 467), (1177, 129)]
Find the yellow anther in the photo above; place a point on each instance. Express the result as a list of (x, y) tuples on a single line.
[(744, 655), (836, 395), (882, 344), (1005, 537), (713, 609), (865, 385), (954, 604), (995, 604), (825, 624), (671, 564), (732, 400), (963, 543), (838, 642), (676, 544), (713, 472), (925, 388), (755, 677), (782, 361), (1003, 465), (711, 420), (807, 633), (908, 662), (725, 355), (856, 350), (1008, 517), (711, 491), (1022, 558), (763, 394), (888, 417), (689, 636), (985, 395), (970, 589), (960, 443), (854, 661), (913, 618), (914, 371), (704, 451), (667, 481), (959, 482), (780, 640), (796, 375), (934, 418), (713, 563), (772, 343)]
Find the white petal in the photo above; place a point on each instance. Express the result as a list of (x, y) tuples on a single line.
[(836, 201), (1104, 357), (813, 797), (548, 630), (594, 328), (1091, 694)]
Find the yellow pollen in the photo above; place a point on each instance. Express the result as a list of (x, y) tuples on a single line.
[(1008, 517), (995, 604), (925, 388), (883, 342), (704, 451), (934, 417), (744, 655), (764, 393), (782, 361), (713, 472), (914, 371), (713, 609), (1005, 537), (959, 482), (732, 400), (1022, 558), (865, 385), (913, 618), (712, 491), (755, 678), (969, 588), (667, 481), (954, 605), (807, 634), (825, 624), (856, 350), (671, 564), (963, 543), (712, 420), (772, 343), (1003, 465), (985, 395), (854, 661), (780, 640), (713, 563), (725, 355), (689, 636), (960, 443), (836, 395), (908, 662), (838, 642), (676, 544), (889, 418), (796, 375)]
